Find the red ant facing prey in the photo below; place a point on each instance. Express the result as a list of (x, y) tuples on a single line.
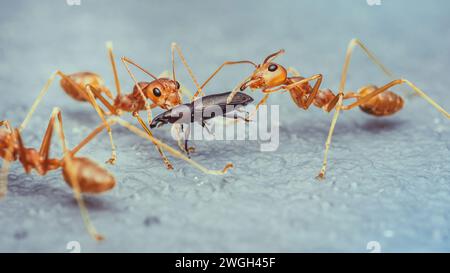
[(87, 86), (271, 77)]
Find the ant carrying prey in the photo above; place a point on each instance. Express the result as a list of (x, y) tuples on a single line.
[(89, 87), (272, 77)]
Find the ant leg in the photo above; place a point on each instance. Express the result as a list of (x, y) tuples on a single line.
[(166, 161), (236, 89), (37, 101), (7, 158), (356, 42), (261, 102), (109, 46), (380, 90), (314, 92), (170, 149), (91, 97), (147, 106), (44, 91), (82, 92), (338, 106), (67, 159), (217, 71), (340, 96), (176, 47), (90, 137), (351, 46)]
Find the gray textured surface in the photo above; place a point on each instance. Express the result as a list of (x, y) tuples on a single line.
[(388, 180)]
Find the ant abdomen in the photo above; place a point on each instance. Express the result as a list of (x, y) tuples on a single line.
[(384, 104), (91, 177), (82, 79)]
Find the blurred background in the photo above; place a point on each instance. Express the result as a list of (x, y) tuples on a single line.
[(388, 179)]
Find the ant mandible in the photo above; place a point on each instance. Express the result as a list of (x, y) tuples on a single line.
[(88, 86), (271, 77)]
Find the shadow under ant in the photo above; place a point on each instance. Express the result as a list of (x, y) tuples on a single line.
[(63, 195), (312, 129)]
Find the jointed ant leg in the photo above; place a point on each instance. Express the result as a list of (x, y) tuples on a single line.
[(81, 91), (339, 98), (147, 106), (89, 138), (149, 132), (170, 149), (314, 92), (114, 67), (73, 179), (91, 97), (217, 71), (261, 102), (341, 95), (356, 42), (175, 47), (37, 101), (236, 89)]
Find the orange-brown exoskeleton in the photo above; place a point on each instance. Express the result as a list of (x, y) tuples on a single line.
[(271, 77), (89, 87), (82, 174)]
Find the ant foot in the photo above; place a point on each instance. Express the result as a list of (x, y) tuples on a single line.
[(321, 176), (111, 161), (169, 166), (99, 237)]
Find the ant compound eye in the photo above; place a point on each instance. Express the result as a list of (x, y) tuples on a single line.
[(156, 92), (177, 84), (273, 67)]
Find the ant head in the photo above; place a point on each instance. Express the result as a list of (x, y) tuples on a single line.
[(268, 74), (163, 92)]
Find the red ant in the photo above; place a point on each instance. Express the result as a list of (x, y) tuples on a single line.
[(271, 77), (87, 86), (81, 173)]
